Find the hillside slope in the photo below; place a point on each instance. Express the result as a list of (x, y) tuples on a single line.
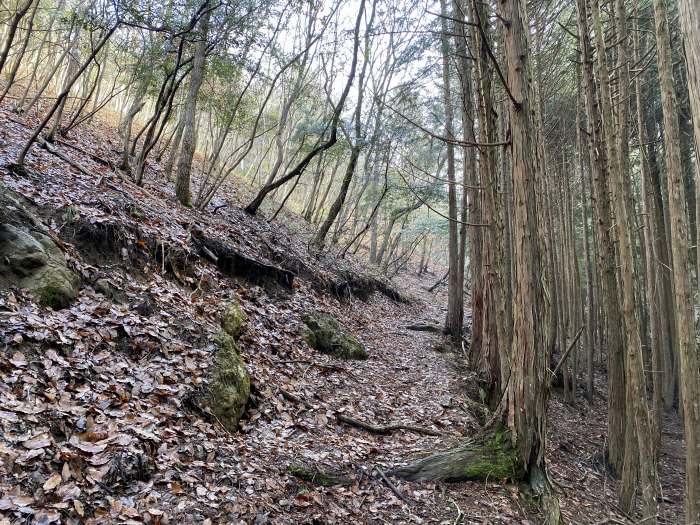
[(99, 401)]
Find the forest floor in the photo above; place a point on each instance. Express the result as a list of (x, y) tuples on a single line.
[(96, 404)]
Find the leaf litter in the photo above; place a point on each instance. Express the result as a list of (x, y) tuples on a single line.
[(98, 401)]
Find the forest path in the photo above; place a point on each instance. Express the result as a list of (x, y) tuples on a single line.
[(130, 375), (139, 394), (406, 381)]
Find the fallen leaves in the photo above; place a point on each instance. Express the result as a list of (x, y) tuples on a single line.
[(87, 446), (53, 482), (38, 441), (96, 414)]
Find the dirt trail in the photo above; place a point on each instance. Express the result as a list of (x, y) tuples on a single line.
[(96, 401), (406, 381)]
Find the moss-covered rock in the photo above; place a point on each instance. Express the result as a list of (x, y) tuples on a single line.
[(327, 335), (29, 258), (233, 320), (229, 385)]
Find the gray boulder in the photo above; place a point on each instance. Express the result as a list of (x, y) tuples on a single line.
[(327, 335), (29, 258)]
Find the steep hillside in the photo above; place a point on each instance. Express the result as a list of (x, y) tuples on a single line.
[(105, 396)]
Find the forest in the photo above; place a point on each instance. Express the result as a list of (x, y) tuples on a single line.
[(349, 261)]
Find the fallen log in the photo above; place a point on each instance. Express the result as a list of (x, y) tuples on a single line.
[(236, 264), (317, 477), (364, 286), (384, 429), (489, 457), (425, 327)]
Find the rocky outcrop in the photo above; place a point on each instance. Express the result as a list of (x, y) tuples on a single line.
[(229, 384), (233, 320), (29, 258), (327, 335)]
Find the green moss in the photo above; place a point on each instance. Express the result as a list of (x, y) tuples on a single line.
[(136, 212), (327, 335), (499, 460), (229, 386), (233, 320), (313, 476), (53, 296)]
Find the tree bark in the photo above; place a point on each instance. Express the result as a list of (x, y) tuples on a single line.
[(639, 455), (610, 312), (528, 387), (455, 306), (189, 131), (687, 350)]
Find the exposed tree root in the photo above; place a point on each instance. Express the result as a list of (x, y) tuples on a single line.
[(384, 429), (363, 286), (540, 490), (425, 327), (65, 158), (492, 457), (234, 263)]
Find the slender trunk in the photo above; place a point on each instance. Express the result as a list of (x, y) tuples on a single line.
[(453, 322), (687, 351), (189, 132), (610, 311), (528, 386), (12, 31), (60, 99), (320, 238), (20, 54), (653, 297), (299, 169), (639, 452)]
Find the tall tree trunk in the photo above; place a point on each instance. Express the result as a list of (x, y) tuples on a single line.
[(639, 452), (455, 306), (189, 132), (528, 387), (687, 350), (610, 312)]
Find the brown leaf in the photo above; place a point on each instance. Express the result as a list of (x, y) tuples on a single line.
[(86, 446), (38, 441), (51, 483), (78, 506), (18, 360)]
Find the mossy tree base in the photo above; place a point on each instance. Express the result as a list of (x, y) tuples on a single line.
[(539, 490), (490, 458)]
